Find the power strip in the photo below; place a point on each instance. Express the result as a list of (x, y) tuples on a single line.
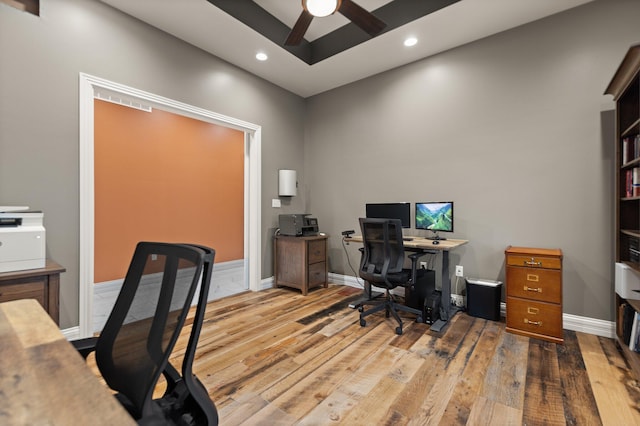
[(457, 300)]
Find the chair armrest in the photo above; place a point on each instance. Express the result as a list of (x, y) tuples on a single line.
[(414, 263), (414, 260), (417, 255), (85, 346)]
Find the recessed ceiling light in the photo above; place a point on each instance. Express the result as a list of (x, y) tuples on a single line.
[(261, 56), (411, 41)]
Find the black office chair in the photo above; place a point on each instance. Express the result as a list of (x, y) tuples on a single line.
[(134, 347), (381, 266)]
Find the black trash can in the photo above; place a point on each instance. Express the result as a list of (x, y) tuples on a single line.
[(483, 298)]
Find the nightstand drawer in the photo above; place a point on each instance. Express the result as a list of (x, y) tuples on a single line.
[(538, 284), (35, 289), (317, 274), (534, 317), (317, 251)]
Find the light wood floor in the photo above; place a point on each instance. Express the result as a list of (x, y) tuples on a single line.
[(278, 358)]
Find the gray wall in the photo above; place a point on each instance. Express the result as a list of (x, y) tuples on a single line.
[(40, 59), (513, 128)]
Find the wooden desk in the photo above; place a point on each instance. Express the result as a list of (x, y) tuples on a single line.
[(43, 379), (426, 246)]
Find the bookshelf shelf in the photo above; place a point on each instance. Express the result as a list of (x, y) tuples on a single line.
[(631, 164), (625, 88), (631, 232), (632, 130), (635, 304)]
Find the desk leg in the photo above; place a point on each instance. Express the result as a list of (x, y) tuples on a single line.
[(445, 301)]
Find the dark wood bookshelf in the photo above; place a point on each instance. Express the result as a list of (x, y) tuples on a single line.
[(625, 88)]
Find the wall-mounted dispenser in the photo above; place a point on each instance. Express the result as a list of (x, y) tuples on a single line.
[(287, 183)]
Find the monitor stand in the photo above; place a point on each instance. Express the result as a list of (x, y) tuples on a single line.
[(436, 237)]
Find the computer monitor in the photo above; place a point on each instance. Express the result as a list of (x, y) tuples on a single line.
[(400, 211), (435, 216)]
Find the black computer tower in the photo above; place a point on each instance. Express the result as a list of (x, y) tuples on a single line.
[(423, 295)]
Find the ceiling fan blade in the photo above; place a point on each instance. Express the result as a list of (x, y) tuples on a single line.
[(297, 32), (361, 17)]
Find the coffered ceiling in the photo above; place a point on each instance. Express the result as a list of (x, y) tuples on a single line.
[(335, 52)]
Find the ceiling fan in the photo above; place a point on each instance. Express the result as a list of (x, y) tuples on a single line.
[(321, 8)]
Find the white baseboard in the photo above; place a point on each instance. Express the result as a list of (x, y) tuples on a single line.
[(266, 283), (227, 279), (71, 333), (346, 280), (588, 325), (570, 322)]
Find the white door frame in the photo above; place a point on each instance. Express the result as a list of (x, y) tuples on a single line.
[(252, 212)]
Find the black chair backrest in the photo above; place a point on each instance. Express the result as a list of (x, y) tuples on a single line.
[(383, 249), (149, 313)]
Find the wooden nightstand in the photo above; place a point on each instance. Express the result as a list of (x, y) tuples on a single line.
[(534, 292), (300, 262), (42, 284)]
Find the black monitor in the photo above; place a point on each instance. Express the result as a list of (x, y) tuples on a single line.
[(400, 211), (435, 216)]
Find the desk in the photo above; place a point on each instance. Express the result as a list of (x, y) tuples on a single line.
[(43, 379), (426, 246)]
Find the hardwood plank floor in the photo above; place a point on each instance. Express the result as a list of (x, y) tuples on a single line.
[(279, 358)]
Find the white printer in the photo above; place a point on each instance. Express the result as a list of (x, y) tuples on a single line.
[(22, 239)]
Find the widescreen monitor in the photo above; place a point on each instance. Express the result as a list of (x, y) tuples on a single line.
[(400, 211), (435, 216)]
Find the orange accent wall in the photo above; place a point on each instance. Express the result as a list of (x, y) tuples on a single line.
[(160, 176)]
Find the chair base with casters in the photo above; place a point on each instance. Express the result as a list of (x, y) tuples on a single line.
[(391, 308)]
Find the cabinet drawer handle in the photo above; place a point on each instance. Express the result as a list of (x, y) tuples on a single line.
[(534, 289), (538, 323), (532, 262)]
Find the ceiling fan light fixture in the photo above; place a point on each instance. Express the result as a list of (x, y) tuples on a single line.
[(321, 8)]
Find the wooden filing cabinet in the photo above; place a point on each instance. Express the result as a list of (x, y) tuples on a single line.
[(300, 262), (534, 292), (42, 284)]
